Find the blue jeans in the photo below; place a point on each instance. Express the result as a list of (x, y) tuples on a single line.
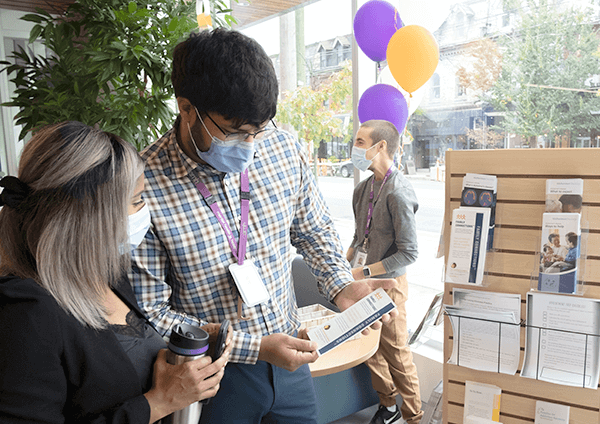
[(262, 393)]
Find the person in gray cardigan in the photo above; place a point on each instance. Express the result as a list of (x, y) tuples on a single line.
[(384, 244)]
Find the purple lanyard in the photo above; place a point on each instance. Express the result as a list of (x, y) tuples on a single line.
[(371, 203), (212, 203)]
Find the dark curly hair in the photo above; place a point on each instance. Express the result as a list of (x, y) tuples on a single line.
[(226, 72)]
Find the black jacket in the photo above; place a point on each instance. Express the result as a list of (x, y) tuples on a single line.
[(55, 370)]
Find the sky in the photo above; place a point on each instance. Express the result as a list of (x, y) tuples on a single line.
[(327, 19)]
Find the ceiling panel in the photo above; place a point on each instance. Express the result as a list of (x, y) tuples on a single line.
[(249, 13), (51, 6), (246, 12)]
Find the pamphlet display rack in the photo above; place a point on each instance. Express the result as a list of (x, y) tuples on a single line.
[(522, 175), (586, 337)]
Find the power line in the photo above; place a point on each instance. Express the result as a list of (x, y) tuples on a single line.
[(562, 88)]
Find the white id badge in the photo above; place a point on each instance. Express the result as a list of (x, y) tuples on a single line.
[(249, 284), (360, 257)]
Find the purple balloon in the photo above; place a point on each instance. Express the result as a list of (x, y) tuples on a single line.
[(374, 24), (383, 101)]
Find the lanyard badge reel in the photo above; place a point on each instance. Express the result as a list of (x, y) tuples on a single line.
[(249, 283), (360, 256)]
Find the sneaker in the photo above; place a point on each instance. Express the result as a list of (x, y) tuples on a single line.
[(383, 416)]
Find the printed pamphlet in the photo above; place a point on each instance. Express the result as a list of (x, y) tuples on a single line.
[(559, 253), (468, 240), (564, 196), (354, 319), (562, 343), (480, 190), (551, 413), (478, 420), (482, 401)]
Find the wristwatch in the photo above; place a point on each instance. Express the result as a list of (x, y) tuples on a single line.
[(367, 271)]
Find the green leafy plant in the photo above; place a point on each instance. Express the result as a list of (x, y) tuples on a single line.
[(541, 88), (108, 64), (312, 112)]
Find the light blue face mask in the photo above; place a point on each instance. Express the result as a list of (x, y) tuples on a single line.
[(359, 158), (225, 156)]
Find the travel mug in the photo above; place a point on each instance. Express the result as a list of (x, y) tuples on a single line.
[(186, 344)]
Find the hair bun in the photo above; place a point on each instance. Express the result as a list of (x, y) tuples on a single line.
[(14, 193)]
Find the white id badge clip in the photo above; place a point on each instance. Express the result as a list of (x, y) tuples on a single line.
[(360, 257), (249, 284)]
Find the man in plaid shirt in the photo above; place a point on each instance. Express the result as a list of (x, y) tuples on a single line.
[(222, 151)]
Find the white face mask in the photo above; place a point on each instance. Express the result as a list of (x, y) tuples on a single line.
[(139, 224)]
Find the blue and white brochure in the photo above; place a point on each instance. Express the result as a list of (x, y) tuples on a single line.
[(354, 319), (468, 242), (559, 253), (479, 190)]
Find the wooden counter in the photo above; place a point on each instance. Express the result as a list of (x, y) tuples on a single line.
[(347, 355)]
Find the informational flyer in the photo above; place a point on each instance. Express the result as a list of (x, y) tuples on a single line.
[(482, 401), (484, 340), (487, 301), (468, 240), (559, 252), (356, 318), (551, 413), (562, 339), (479, 190), (478, 420), (564, 195)]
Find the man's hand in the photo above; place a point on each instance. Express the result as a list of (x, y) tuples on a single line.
[(287, 352), (361, 288), (213, 332)]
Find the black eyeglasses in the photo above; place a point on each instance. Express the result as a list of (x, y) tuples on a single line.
[(243, 136)]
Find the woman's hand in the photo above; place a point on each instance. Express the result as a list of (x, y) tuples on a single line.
[(176, 386)]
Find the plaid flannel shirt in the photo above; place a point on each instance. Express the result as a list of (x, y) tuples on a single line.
[(180, 271)]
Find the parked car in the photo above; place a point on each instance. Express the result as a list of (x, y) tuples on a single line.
[(346, 169)]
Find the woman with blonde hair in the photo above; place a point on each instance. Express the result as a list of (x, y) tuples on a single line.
[(75, 346)]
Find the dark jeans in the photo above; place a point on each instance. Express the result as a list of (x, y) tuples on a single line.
[(262, 393)]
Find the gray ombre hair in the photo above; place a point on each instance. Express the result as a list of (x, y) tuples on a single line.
[(68, 234)]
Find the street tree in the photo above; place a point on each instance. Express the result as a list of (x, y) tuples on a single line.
[(312, 111), (486, 67), (546, 62)]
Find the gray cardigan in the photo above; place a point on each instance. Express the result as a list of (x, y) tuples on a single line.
[(393, 231)]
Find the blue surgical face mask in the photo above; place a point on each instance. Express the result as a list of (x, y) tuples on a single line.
[(359, 158), (139, 224), (225, 156)]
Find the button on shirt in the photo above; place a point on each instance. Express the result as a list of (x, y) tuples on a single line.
[(180, 271)]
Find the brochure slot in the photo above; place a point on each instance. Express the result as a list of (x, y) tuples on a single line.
[(457, 340)]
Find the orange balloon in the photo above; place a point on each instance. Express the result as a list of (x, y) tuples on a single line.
[(412, 56)]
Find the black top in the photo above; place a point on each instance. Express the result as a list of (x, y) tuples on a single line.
[(141, 342), (55, 370)]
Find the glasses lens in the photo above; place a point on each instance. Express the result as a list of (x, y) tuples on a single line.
[(236, 136), (265, 132)]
